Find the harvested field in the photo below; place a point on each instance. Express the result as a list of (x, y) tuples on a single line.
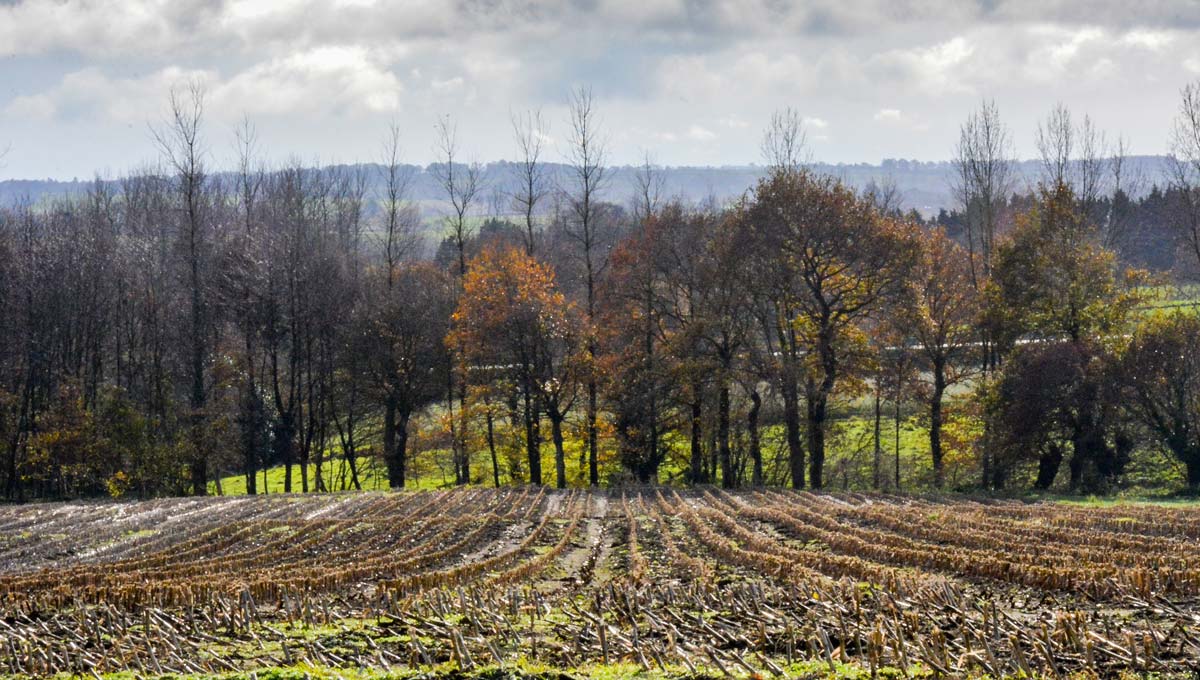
[(704, 582)]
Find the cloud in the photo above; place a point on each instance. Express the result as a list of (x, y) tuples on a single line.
[(323, 81), (891, 118), (935, 69), (307, 64), (1109, 13), (755, 72), (141, 28), (104, 27), (89, 93), (1150, 40), (447, 85), (1064, 47)]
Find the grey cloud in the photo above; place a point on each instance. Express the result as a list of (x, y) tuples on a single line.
[(144, 27), (671, 73)]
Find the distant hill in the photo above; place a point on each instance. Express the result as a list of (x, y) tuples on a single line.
[(924, 185)]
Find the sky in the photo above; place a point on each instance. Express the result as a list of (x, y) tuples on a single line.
[(691, 82)]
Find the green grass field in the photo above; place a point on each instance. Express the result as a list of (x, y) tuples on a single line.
[(429, 469), (1167, 299), (851, 453)]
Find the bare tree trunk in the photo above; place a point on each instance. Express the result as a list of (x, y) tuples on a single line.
[(727, 477), (464, 475), (877, 464), (816, 407), (755, 446), (791, 419), (593, 440), (350, 453), (897, 413), (935, 424), (533, 437), (391, 457), (560, 459), (491, 438), (1193, 471), (698, 475), (402, 447)]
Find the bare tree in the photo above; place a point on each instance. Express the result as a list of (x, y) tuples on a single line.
[(399, 218), (404, 352), (398, 236), (347, 394), (885, 195), (180, 144), (251, 417), (1092, 166), (649, 183), (1185, 169), (1124, 184), (785, 142), (461, 184), (530, 132), (984, 179), (1056, 146), (1080, 158), (589, 176), (1075, 156)]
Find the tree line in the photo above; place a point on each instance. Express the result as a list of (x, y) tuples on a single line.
[(179, 325)]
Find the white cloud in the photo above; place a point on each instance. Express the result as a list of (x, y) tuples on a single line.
[(700, 134), (935, 69), (90, 93), (323, 80), (1150, 40), (891, 118), (815, 123), (447, 85), (1059, 55)]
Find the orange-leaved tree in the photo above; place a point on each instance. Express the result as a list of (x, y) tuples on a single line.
[(512, 321)]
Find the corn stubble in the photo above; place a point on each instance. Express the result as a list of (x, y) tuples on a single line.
[(735, 583)]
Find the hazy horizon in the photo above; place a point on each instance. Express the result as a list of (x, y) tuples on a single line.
[(112, 174)]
